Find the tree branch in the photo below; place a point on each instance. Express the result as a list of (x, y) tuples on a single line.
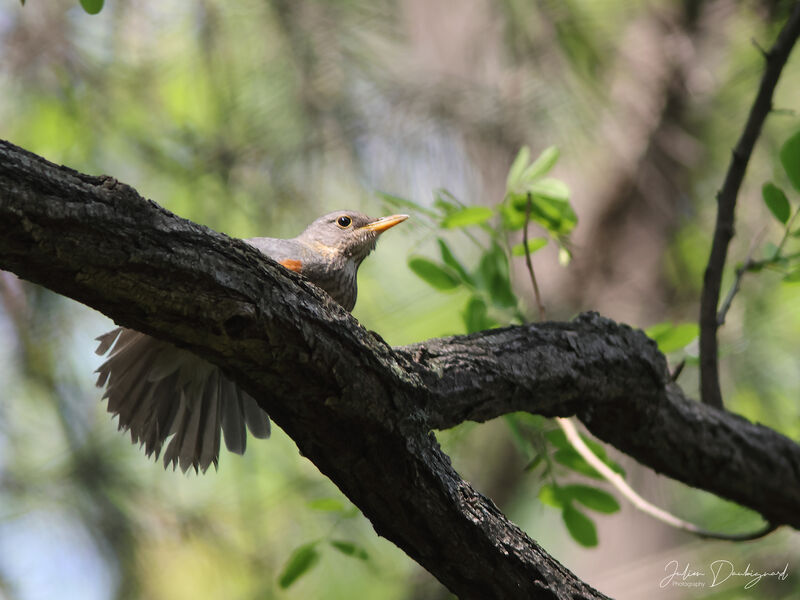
[(726, 204), (360, 410)]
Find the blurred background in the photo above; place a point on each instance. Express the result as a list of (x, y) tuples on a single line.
[(254, 117)]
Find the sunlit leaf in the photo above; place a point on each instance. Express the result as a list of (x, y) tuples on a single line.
[(564, 256), (776, 201), (671, 337), (534, 244), (553, 189), (541, 166), (517, 167), (551, 496), (592, 497), (451, 261), (327, 505), (300, 562), (580, 527), (435, 275), (471, 215), (790, 159), (92, 6), (350, 549)]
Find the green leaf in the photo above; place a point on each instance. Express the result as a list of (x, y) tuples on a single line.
[(790, 158), (564, 256), (92, 6), (513, 218), (569, 457), (552, 189), (534, 244), (592, 497), (300, 562), (493, 272), (476, 316), (580, 527), (776, 201), (451, 261), (671, 337), (541, 166), (471, 215), (548, 210), (434, 274), (327, 505), (550, 495), (517, 167), (350, 549)]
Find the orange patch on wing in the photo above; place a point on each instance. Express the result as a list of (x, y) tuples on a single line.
[(292, 265)]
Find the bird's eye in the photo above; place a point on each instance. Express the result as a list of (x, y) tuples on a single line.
[(344, 221)]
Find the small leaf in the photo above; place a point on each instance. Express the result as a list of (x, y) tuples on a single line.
[(471, 215), (435, 275), (553, 213), (92, 6), (300, 562), (776, 201), (493, 271), (451, 261), (476, 315), (551, 496), (592, 497), (327, 505), (580, 527), (564, 256), (350, 549), (541, 166), (553, 189), (534, 244), (517, 167), (671, 337), (569, 457), (790, 158)]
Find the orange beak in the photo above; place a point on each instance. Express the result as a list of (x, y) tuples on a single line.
[(384, 223)]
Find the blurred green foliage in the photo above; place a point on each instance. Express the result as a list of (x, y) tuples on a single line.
[(255, 117)]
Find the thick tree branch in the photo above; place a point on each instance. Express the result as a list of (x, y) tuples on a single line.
[(726, 204), (360, 410)]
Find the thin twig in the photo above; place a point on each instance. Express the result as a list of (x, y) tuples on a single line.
[(737, 281), (640, 503), (750, 265), (539, 305), (726, 203)]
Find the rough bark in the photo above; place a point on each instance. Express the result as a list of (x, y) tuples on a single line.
[(361, 410)]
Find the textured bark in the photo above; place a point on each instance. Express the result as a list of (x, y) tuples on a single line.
[(361, 410)]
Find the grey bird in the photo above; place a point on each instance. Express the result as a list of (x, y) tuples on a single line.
[(160, 391)]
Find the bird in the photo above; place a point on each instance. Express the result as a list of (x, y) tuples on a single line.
[(159, 391)]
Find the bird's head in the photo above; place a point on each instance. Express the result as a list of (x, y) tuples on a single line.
[(347, 235)]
